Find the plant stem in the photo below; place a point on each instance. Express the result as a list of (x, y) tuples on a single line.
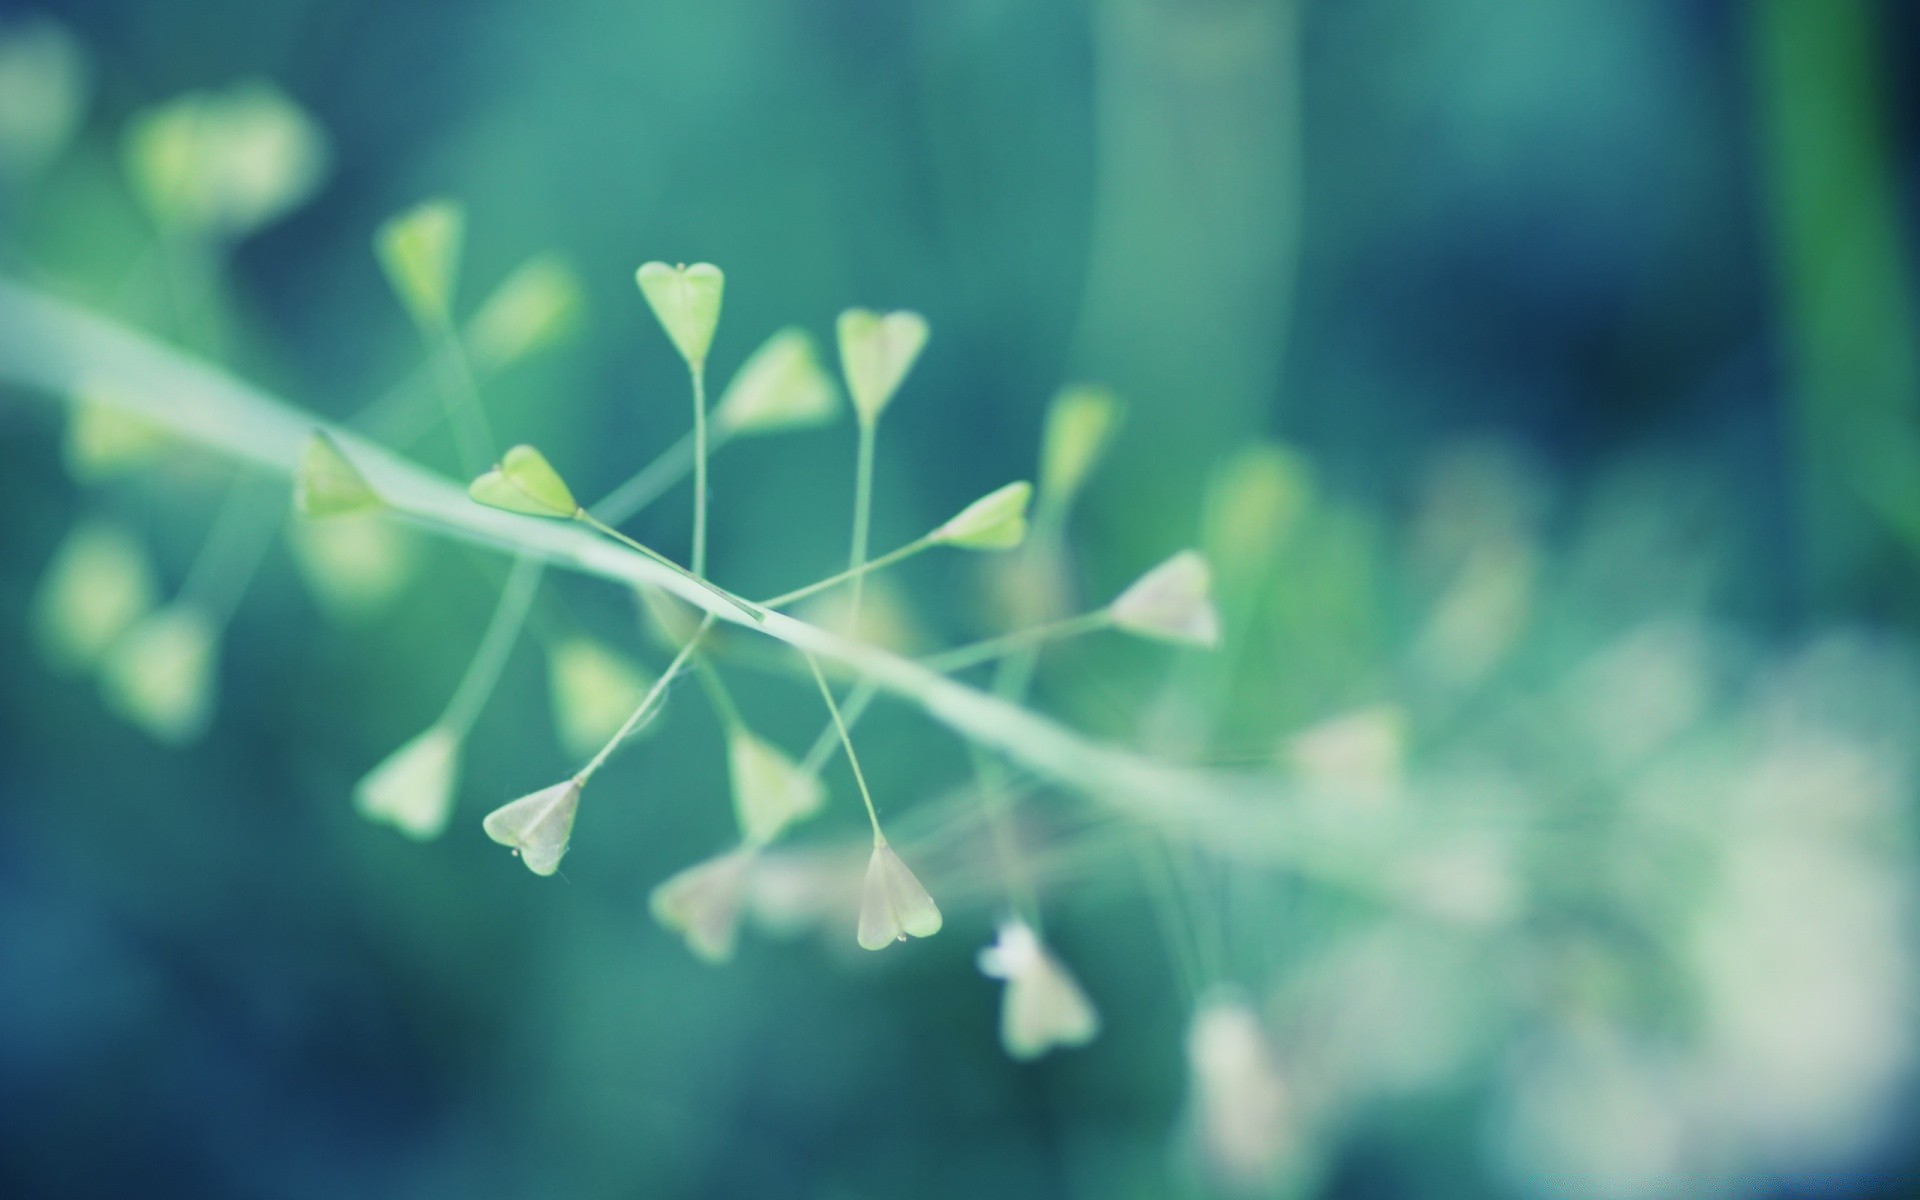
[(646, 704), (461, 394), (496, 644), (717, 693), (699, 372), (587, 518), (650, 482), (231, 551), (855, 573), (862, 517), (961, 657), (846, 741)]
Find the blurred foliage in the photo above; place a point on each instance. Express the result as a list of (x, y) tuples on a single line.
[(1537, 380)]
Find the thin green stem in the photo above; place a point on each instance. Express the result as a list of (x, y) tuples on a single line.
[(644, 708), (496, 645), (588, 519), (862, 518), (699, 372), (231, 551), (461, 395), (650, 482), (858, 701), (846, 741), (885, 560), (961, 657), (717, 693)]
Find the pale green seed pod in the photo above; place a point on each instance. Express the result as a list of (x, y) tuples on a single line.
[(876, 352), (327, 484), (594, 688), (1081, 422), (996, 521), (703, 903), (1042, 1007), (419, 250), (356, 565), (105, 439), (160, 674), (225, 163), (525, 482), (893, 905), (99, 583), (1172, 602), (43, 94), (1255, 500), (539, 305), (781, 387), (413, 788), (686, 301), (770, 791), (538, 826)]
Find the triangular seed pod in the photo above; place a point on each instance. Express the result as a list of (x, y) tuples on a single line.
[(686, 300), (893, 905), (525, 482), (996, 521), (876, 352), (537, 826), (419, 250)]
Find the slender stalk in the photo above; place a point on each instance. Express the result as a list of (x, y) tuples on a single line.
[(699, 372), (231, 551), (862, 518), (858, 701), (961, 657), (647, 702), (854, 573), (717, 693), (650, 482), (496, 644), (588, 519), (846, 741), (461, 394)]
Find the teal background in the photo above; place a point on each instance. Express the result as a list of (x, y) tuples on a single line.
[(1661, 252)]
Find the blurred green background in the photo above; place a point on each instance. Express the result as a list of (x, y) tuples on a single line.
[(1579, 335)]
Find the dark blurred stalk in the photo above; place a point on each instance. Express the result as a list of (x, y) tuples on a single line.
[(1196, 211), (1844, 297)]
